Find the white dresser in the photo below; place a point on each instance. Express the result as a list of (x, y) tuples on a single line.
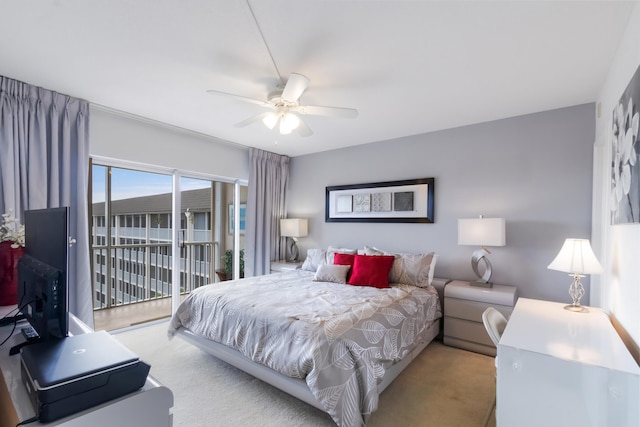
[(560, 368)]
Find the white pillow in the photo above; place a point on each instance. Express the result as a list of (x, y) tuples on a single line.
[(315, 258), (411, 269), (332, 250), (369, 250), (332, 273)]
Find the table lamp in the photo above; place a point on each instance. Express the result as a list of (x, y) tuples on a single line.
[(576, 258), (293, 228), (481, 232)]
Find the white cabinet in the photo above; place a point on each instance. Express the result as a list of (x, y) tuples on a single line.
[(463, 308), (150, 406), (561, 368)]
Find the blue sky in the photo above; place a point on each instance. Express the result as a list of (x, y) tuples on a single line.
[(126, 183)]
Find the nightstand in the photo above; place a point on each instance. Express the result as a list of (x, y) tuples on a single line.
[(282, 265), (463, 308)]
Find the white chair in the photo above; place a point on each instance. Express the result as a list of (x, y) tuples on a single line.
[(494, 322)]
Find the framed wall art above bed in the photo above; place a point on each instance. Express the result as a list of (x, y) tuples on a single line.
[(391, 201)]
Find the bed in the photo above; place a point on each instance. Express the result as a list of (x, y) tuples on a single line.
[(332, 345)]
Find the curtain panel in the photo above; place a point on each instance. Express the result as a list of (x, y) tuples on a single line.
[(44, 141), (266, 205)]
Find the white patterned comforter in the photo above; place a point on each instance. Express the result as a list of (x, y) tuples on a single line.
[(339, 338)]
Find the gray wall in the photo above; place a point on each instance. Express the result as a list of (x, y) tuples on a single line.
[(535, 171)]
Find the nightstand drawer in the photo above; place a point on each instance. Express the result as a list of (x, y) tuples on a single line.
[(498, 294), (466, 330), (282, 265), (472, 310)]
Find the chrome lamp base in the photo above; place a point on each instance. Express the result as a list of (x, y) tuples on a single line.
[(576, 308), (576, 290), (293, 251), (483, 279)]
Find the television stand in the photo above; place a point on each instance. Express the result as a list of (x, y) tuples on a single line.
[(151, 406)]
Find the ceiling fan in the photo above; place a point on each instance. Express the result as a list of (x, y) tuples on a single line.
[(284, 103)]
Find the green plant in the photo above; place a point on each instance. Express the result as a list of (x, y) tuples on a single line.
[(228, 262)]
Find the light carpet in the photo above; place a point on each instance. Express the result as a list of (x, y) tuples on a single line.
[(443, 387)]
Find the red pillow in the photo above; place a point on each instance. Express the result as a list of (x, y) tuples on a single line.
[(371, 270), (343, 259)]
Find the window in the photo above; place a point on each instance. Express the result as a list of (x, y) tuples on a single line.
[(133, 257)]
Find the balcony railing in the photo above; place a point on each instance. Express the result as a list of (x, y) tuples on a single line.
[(126, 274)]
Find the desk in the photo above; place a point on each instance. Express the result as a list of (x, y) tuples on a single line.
[(560, 368), (149, 406)]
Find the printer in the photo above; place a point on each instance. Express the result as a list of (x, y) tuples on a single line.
[(68, 375)]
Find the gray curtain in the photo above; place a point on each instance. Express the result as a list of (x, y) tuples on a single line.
[(268, 175), (44, 163)]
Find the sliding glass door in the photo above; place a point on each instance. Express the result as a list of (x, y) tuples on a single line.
[(140, 219), (208, 235)]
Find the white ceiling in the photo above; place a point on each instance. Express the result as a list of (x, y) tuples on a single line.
[(408, 67)]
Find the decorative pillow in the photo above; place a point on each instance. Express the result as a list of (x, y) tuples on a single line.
[(371, 271), (343, 259), (315, 257), (411, 269), (332, 273), (331, 251), (368, 250)]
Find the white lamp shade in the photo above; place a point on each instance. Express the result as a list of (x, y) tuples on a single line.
[(290, 121), (270, 120), (294, 227), (576, 256), (481, 232)]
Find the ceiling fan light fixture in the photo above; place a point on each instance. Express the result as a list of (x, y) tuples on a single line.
[(284, 103), (270, 120), (284, 129), (289, 121)]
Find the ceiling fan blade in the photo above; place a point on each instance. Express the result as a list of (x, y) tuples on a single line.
[(304, 130), (241, 98), (296, 84), (251, 120), (316, 110)]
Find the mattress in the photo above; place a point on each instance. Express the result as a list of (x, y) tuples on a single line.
[(339, 339)]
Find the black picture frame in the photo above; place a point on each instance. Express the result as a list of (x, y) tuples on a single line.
[(410, 201)]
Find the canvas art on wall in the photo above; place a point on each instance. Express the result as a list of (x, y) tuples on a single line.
[(625, 171), (391, 201)]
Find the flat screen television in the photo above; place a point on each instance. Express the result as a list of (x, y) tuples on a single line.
[(42, 272)]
